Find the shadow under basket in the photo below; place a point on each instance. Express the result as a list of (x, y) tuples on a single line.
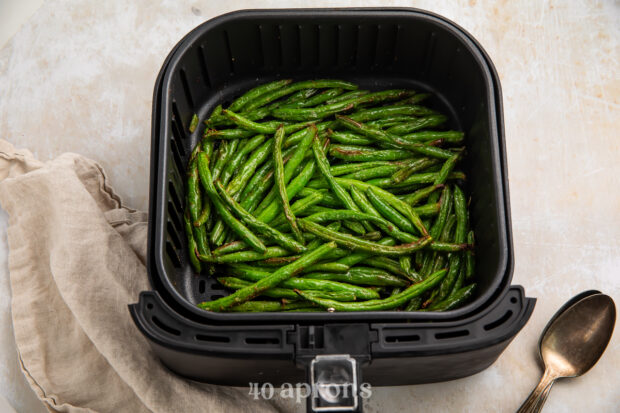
[(378, 49)]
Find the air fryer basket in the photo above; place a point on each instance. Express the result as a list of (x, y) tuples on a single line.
[(376, 48)]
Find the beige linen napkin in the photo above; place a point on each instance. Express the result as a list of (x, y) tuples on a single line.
[(76, 260)]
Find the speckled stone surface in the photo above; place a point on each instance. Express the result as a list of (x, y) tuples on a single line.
[(79, 77)]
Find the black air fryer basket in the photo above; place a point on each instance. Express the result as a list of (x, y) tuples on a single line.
[(378, 49)]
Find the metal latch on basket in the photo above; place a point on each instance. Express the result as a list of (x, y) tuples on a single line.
[(334, 381)]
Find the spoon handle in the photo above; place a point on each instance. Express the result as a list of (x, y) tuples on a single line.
[(537, 398)]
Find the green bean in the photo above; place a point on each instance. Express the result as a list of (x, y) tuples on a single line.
[(372, 236), (387, 111), (269, 213), (236, 159), (256, 92), (401, 207), (394, 267), (191, 243), (205, 214), (376, 172), (283, 91), (194, 123), (319, 98), (429, 136), (388, 212), (361, 154), (448, 246), (339, 191), (354, 243), (195, 207), (417, 124), (324, 111), (224, 152), (281, 184), (288, 293), (299, 207), (254, 274), (347, 168), (417, 98), (347, 96), (261, 182), (247, 256), (386, 225), (295, 138), (460, 279), (415, 179), (344, 214), (469, 256), (228, 134), (391, 121), (356, 257), (327, 267), (414, 304), (207, 182), (349, 138), (230, 247), (360, 277), (258, 226), (221, 120), (419, 165), (454, 300), (295, 99), (289, 170), (415, 197), (446, 169), (266, 127), (428, 209), (267, 306), (378, 305), (444, 211), (258, 156), (214, 114)]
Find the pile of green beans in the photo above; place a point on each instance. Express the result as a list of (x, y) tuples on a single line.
[(319, 196)]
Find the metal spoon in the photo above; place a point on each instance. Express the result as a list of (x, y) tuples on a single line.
[(572, 343)]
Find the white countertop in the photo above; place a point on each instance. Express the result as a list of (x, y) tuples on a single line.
[(80, 78)]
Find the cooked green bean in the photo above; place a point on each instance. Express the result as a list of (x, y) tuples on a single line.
[(207, 182), (339, 191), (469, 256), (194, 205), (354, 243), (417, 124), (454, 300), (283, 91), (254, 93), (377, 305), (361, 153), (288, 293), (254, 274), (359, 276), (281, 184), (191, 243)]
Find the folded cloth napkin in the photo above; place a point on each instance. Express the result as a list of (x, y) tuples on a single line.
[(76, 260)]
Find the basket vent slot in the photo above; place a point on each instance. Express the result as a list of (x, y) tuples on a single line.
[(178, 129), (451, 334), (229, 55), (215, 339), (176, 200), (402, 339), (174, 236), (499, 321), (203, 66), (186, 90), (165, 327), (172, 254), (202, 286), (262, 340)]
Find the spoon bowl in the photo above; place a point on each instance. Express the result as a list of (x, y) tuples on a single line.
[(572, 343)]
